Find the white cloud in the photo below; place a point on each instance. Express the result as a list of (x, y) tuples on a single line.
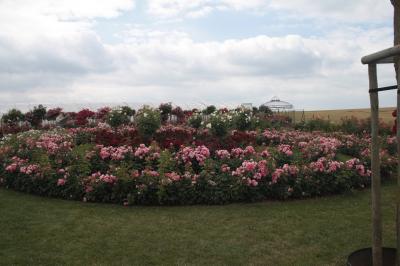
[(47, 44), (199, 8), (29, 21), (310, 72), (159, 66), (51, 53), (66, 9), (337, 10)]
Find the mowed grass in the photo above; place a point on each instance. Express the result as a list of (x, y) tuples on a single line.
[(323, 231), (385, 113)]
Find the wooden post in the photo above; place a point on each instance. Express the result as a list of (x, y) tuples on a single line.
[(396, 27), (375, 165), (398, 172)]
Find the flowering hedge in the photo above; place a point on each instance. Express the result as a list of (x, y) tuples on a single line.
[(183, 165)]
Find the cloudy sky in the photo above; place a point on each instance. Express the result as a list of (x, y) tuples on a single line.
[(192, 52)]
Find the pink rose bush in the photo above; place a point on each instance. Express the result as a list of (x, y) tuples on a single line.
[(251, 172), (190, 155), (285, 149), (184, 165), (222, 154), (115, 153), (54, 143)]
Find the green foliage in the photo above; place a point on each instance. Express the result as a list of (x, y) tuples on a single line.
[(148, 190), (80, 166), (264, 109), (83, 137), (165, 109), (13, 117), (353, 125), (39, 111), (210, 109), (36, 115), (148, 120), (167, 163), (317, 124), (242, 120), (122, 171), (40, 157), (195, 121), (81, 150), (350, 125), (128, 111), (219, 125), (118, 117), (218, 189)]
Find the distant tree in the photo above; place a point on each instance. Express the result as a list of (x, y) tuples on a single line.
[(36, 116), (52, 114), (180, 115), (117, 117), (165, 109), (209, 110), (128, 111), (265, 109), (12, 117)]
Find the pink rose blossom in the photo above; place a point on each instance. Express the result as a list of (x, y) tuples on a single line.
[(61, 182)]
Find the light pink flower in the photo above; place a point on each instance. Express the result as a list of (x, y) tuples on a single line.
[(61, 182), (285, 149), (173, 176)]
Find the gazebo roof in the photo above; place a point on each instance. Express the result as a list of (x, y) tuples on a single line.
[(276, 103)]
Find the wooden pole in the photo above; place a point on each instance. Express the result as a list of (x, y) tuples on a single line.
[(398, 172), (396, 30), (396, 41), (375, 165), (384, 56)]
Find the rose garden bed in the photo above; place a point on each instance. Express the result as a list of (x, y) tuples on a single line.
[(177, 167), (214, 157)]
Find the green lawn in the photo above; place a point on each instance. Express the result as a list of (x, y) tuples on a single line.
[(35, 230)]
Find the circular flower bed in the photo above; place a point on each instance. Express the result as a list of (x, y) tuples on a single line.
[(182, 165)]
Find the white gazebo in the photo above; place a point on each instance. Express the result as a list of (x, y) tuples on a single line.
[(276, 105)]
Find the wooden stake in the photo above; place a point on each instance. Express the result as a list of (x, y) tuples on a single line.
[(398, 174), (396, 27), (375, 165)]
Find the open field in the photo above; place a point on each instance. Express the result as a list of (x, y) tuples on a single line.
[(336, 115), (36, 230)]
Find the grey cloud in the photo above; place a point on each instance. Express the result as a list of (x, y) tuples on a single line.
[(51, 63)]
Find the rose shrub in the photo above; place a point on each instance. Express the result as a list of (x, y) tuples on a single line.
[(114, 165), (117, 117), (148, 120), (213, 157)]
